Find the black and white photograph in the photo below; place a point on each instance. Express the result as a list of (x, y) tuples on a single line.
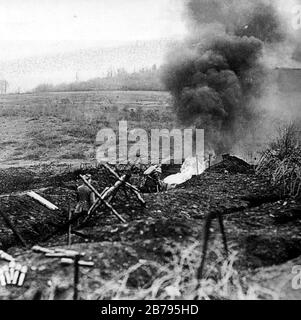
[(150, 150)]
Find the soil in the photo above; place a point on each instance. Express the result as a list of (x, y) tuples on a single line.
[(264, 228)]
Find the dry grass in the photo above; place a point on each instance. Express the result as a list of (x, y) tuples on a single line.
[(176, 279), (62, 126), (281, 162)]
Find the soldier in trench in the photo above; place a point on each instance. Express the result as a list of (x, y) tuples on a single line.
[(153, 182), (85, 197)]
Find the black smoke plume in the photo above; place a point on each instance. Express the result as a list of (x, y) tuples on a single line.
[(216, 76)]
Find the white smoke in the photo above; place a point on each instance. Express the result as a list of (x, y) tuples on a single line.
[(192, 166)]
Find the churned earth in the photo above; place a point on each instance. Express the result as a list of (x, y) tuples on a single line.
[(264, 229)]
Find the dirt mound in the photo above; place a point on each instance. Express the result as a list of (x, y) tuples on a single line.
[(14, 179), (36, 177), (231, 164), (32, 220), (268, 250)]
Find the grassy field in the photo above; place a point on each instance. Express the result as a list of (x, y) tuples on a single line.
[(62, 127)]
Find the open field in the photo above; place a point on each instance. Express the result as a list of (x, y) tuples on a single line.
[(62, 127)]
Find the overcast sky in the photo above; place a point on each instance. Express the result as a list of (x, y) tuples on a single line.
[(40, 39), (31, 27)]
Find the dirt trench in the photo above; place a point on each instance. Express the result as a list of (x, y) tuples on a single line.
[(264, 229)]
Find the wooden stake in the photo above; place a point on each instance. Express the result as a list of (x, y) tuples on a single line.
[(206, 235), (96, 203), (133, 189), (108, 193), (70, 226), (42, 200), (210, 160), (102, 200), (76, 277)]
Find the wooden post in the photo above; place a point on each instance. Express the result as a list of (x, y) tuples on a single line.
[(206, 235), (96, 203), (76, 277), (197, 165), (42, 200), (210, 155), (70, 226), (134, 189), (102, 200)]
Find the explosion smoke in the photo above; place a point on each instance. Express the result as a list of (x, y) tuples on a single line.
[(216, 77)]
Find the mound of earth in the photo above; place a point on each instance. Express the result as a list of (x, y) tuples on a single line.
[(232, 165)]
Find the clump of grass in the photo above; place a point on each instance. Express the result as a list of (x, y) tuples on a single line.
[(281, 162), (177, 279)]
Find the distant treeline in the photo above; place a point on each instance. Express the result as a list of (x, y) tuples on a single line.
[(143, 80)]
